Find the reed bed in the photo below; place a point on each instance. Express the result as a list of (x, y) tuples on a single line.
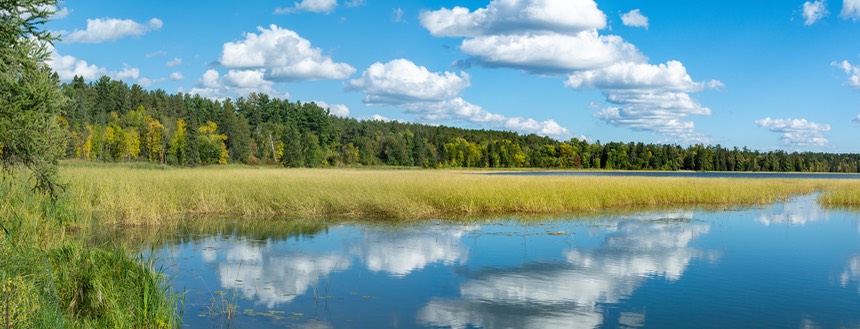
[(144, 196), (843, 195)]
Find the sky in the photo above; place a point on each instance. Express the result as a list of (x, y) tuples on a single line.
[(765, 74)]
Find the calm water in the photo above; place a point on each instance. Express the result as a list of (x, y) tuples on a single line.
[(790, 265), (693, 174)]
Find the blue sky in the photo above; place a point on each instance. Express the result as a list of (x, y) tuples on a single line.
[(764, 74)]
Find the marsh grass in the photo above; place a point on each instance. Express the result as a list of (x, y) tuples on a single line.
[(126, 195), (842, 196), (51, 277)]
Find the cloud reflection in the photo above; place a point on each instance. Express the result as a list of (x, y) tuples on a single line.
[(571, 294), (852, 272), (403, 251), (799, 211), (266, 275)]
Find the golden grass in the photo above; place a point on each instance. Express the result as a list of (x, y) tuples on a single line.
[(842, 195), (134, 195)]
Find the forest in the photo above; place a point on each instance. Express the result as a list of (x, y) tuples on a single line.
[(108, 120)]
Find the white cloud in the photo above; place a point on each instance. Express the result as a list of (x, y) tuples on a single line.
[(647, 97), (314, 6), (850, 9), (234, 84), (176, 76), (814, 11), (434, 97), (797, 132), (634, 18), (504, 16), (334, 109), (401, 81), (397, 15), (852, 71), (283, 55), (542, 37), (111, 29), (856, 120), (67, 67), (379, 117), (551, 53), (127, 73), (538, 36), (174, 62)]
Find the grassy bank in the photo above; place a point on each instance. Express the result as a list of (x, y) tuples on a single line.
[(53, 278), (126, 195)]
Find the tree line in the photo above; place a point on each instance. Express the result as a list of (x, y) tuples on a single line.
[(108, 120)]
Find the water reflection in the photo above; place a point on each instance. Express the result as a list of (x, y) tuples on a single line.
[(270, 276), (403, 251), (798, 211), (572, 293), (851, 273), (638, 270)]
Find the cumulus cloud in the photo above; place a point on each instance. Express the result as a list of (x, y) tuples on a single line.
[(542, 37), (852, 71), (505, 16), (111, 29), (814, 11), (538, 36), (282, 55), (797, 132), (334, 109), (634, 18), (233, 84), (314, 6), (850, 9), (401, 81), (645, 97), (174, 62), (551, 53), (856, 120), (176, 76), (67, 67), (435, 97)]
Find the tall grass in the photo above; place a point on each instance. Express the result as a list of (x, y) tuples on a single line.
[(53, 278), (120, 194), (842, 195)]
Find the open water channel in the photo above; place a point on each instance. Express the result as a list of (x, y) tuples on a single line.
[(789, 265)]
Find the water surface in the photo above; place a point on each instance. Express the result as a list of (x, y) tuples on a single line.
[(788, 265), (682, 174)]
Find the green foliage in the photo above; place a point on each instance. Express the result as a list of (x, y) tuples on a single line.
[(50, 278), (30, 97), (261, 129)]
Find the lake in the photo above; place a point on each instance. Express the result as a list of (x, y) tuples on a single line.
[(788, 265), (682, 174)]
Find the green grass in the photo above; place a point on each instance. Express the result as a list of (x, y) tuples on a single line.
[(125, 195), (52, 277)]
